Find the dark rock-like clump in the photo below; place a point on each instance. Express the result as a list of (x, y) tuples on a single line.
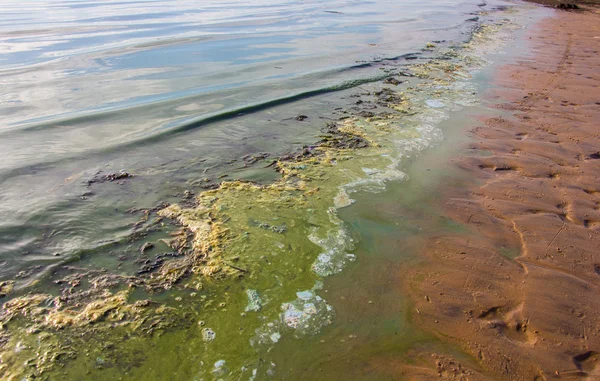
[(110, 177)]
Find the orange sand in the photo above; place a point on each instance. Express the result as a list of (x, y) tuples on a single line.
[(536, 316)]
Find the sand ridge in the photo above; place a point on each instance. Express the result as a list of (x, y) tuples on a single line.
[(521, 292)]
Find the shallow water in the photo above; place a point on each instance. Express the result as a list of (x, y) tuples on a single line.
[(184, 98), (156, 87)]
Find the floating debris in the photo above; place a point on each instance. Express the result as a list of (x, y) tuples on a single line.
[(275, 336), (220, 368), (342, 199), (6, 287), (392, 81), (251, 159), (208, 334), (111, 177), (145, 247), (254, 301), (274, 228)]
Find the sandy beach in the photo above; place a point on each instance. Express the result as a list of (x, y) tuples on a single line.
[(520, 292), (299, 190)]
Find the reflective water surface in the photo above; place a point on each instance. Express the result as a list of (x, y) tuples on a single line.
[(174, 177), (154, 86)]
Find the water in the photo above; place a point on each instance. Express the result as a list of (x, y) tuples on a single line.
[(182, 96), (112, 85)]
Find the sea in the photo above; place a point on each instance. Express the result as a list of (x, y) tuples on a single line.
[(199, 190)]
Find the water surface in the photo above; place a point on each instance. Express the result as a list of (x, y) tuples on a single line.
[(129, 85), (182, 96)]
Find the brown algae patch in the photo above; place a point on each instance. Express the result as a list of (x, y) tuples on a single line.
[(40, 334), (6, 287), (234, 224), (269, 236), (224, 234)]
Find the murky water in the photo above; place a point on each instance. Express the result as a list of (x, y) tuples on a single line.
[(156, 88), (180, 181)]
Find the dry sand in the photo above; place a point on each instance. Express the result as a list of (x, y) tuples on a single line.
[(535, 316)]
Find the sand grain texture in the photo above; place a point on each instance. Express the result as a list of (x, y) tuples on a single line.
[(521, 292)]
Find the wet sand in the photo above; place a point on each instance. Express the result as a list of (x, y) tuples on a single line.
[(520, 292)]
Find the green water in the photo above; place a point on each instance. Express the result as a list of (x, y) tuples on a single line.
[(295, 272)]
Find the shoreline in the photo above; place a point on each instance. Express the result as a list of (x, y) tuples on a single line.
[(519, 292), (206, 214), (296, 213)]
